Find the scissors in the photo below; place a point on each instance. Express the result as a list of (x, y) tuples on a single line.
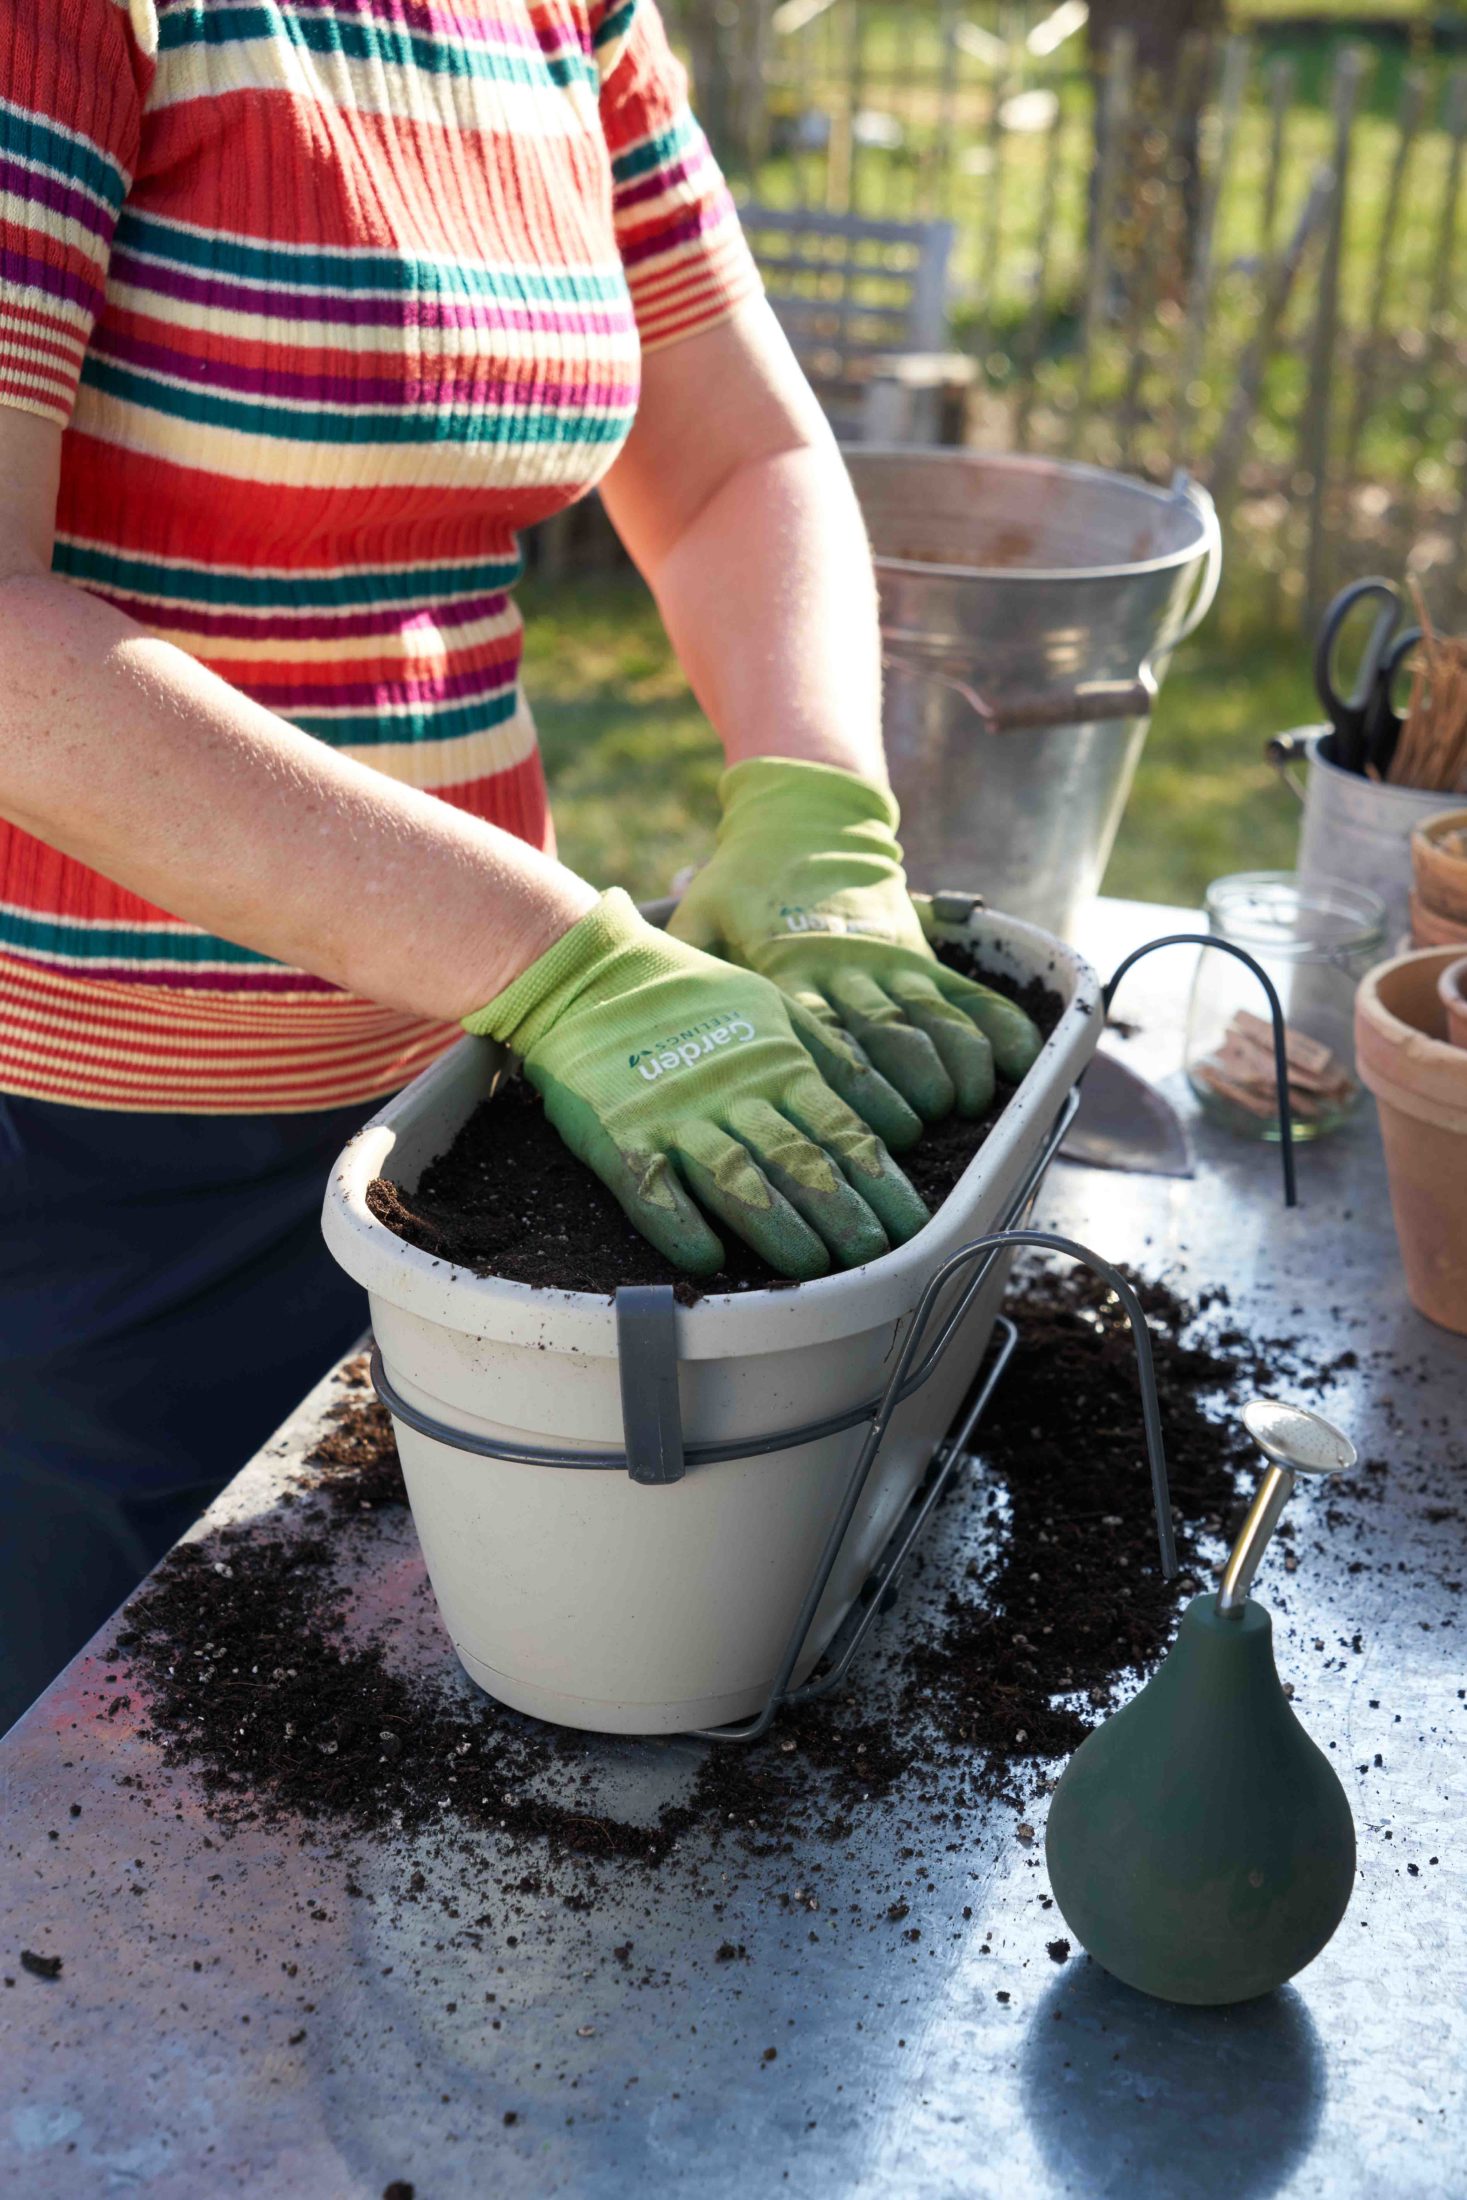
[(1367, 724)]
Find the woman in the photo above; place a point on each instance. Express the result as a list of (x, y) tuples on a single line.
[(306, 309)]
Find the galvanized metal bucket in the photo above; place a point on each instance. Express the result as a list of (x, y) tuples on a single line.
[(1355, 828), (1027, 607)]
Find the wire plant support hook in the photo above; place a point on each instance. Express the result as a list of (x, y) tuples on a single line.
[(997, 1241), (1276, 1017)]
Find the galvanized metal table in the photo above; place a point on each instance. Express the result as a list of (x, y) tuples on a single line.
[(228, 2020)]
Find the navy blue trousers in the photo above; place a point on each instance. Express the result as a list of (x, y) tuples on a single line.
[(165, 1300)]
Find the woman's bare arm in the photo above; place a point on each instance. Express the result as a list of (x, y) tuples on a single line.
[(122, 751), (732, 498)]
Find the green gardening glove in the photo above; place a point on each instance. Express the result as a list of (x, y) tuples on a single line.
[(671, 1074), (806, 886)]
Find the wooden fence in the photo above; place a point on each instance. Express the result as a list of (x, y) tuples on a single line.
[(1254, 269)]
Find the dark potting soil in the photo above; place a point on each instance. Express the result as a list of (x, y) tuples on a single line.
[(1034, 1642), (509, 1199), (357, 1456), (254, 1676)]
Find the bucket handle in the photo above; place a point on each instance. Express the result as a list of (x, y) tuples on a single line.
[(1187, 491), (1284, 751), (1089, 702)]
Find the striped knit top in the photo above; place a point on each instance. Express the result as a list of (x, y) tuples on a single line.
[(331, 297)]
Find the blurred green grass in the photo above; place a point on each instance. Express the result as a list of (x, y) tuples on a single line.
[(632, 763), (634, 766)]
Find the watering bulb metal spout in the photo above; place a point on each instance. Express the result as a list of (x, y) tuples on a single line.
[(1295, 1440)]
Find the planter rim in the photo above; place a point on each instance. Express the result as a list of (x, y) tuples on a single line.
[(1423, 915), (725, 1324), (1451, 983), (1434, 1086), (1371, 1010), (1441, 822), (1439, 864), (1443, 1115)]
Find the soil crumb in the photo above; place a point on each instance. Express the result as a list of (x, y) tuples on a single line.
[(357, 1457), (257, 1675), (508, 1199), (1035, 1641)]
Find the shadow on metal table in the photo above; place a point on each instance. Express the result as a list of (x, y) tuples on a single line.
[(1125, 2097), (265, 2010)]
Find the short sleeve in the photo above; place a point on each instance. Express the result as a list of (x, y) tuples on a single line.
[(73, 78), (686, 261)]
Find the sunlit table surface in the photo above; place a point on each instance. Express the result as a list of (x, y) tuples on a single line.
[(175, 2056)]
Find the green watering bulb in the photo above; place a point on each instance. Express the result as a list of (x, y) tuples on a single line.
[(1200, 1845)]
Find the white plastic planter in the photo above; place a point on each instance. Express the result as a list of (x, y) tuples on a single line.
[(581, 1595)]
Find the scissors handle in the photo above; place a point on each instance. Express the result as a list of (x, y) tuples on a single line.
[(1383, 720), (1350, 715)]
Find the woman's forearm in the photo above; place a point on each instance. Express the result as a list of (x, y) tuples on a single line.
[(770, 602), (733, 500), (122, 751)]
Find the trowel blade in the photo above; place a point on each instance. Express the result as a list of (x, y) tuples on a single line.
[(1124, 1123)]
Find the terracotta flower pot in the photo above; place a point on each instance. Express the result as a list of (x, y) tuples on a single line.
[(1420, 1086), (1439, 864), (1430, 929), (1452, 986)]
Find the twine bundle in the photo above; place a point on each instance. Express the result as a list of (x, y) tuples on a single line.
[(1432, 751)]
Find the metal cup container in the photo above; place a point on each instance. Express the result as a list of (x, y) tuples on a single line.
[(1354, 828)]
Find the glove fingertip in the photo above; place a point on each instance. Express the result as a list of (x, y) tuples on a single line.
[(899, 1127), (901, 1207), (1013, 1034), (1019, 1057), (697, 1257), (904, 1218), (694, 931)]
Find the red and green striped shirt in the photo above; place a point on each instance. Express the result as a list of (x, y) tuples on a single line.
[(332, 298)]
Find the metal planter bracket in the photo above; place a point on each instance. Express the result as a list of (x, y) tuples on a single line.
[(982, 1250)]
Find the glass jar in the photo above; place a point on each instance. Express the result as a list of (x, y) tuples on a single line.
[(1316, 940)]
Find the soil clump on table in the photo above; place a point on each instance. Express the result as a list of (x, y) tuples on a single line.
[(1034, 1642), (255, 1677), (509, 1199)]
